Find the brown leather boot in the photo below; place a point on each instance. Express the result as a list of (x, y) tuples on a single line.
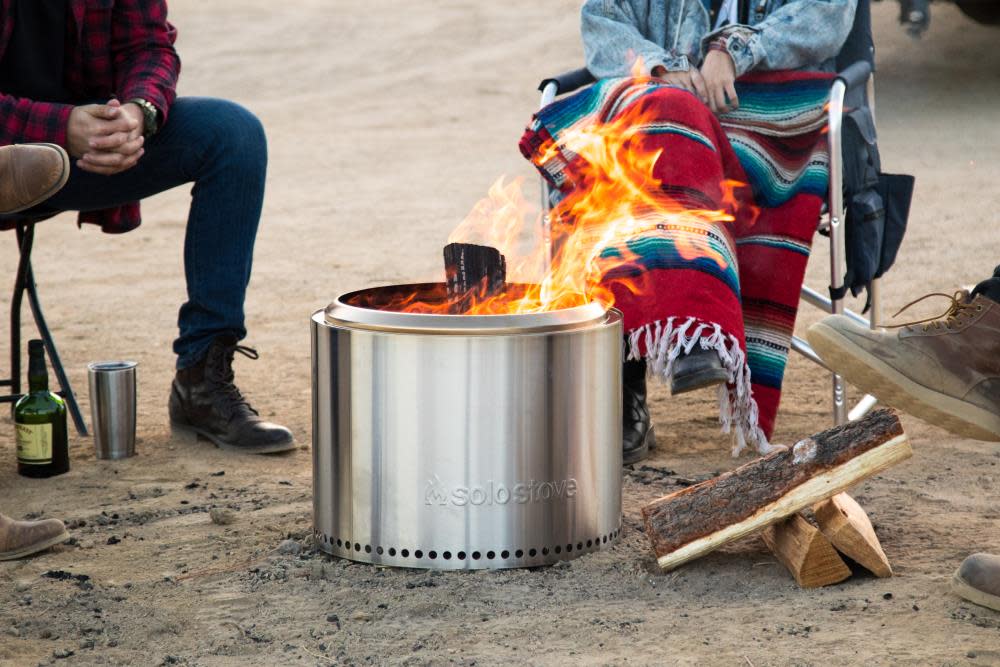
[(945, 371), (30, 174), (22, 538), (978, 580)]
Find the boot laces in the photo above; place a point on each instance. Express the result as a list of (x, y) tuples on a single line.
[(230, 399), (961, 305)]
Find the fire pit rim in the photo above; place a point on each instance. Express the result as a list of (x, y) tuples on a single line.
[(342, 313)]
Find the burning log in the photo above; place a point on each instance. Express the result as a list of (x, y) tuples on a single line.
[(846, 525), (473, 273), (807, 554), (699, 519)]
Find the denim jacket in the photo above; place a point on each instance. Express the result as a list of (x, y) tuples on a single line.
[(782, 34)]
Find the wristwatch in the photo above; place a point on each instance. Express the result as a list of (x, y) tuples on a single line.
[(150, 116)]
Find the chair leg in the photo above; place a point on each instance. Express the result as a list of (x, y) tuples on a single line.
[(25, 239), (837, 307), (26, 283), (868, 402), (50, 348)]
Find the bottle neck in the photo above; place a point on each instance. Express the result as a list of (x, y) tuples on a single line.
[(38, 375)]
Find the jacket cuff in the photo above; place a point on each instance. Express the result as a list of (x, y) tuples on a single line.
[(668, 61), (47, 123), (741, 43)]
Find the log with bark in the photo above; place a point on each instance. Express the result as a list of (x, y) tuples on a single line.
[(806, 552), (696, 520), (473, 273)]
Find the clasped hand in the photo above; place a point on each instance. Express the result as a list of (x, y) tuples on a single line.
[(713, 83), (106, 138)]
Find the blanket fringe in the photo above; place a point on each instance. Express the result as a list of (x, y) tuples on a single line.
[(665, 341)]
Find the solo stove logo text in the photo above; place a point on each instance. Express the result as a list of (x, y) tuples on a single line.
[(493, 493)]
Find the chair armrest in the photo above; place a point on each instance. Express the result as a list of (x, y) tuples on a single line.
[(856, 75), (567, 82)]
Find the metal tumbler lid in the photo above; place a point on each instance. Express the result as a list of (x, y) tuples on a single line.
[(111, 366)]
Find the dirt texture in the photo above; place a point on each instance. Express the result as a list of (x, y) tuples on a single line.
[(387, 121)]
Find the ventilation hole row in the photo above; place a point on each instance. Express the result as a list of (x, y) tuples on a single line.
[(475, 555)]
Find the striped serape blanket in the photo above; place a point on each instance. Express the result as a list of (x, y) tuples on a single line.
[(738, 293)]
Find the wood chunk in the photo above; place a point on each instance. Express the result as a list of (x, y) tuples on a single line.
[(473, 272), (699, 519), (807, 554), (848, 527)]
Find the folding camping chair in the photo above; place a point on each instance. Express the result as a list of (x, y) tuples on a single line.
[(856, 84), (24, 283)]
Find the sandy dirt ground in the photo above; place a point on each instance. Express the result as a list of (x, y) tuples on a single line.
[(386, 124)]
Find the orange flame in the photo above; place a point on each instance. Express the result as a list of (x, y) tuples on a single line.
[(616, 198)]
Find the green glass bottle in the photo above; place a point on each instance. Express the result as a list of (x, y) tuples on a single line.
[(40, 422)]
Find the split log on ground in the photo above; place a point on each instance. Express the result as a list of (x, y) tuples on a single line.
[(807, 554), (473, 272), (848, 527), (701, 518)]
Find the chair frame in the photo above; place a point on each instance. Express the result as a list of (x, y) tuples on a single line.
[(24, 283), (832, 223)]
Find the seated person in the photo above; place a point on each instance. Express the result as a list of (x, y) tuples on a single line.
[(695, 321), (99, 80)]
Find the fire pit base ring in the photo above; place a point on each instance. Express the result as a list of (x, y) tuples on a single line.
[(465, 442), (459, 559)]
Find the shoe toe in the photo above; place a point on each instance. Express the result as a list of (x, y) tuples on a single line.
[(982, 572), (268, 433)]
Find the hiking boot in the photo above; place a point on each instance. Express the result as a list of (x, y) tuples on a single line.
[(978, 580), (945, 371), (204, 400), (697, 369), (637, 426), (30, 174), (23, 538)]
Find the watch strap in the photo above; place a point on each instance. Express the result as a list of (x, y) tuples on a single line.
[(150, 116)]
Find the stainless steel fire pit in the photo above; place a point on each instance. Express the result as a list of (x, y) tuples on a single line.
[(465, 442)]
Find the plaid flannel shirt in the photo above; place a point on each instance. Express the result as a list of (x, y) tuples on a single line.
[(114, 48)]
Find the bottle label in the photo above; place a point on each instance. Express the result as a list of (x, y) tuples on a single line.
[(34, 443)]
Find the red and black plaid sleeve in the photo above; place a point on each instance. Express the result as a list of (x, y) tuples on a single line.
[(24, 121), (142, 44)]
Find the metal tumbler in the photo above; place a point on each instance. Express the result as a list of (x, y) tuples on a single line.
[(112, 406)]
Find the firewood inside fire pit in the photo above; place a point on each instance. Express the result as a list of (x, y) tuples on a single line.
[(473, 273)]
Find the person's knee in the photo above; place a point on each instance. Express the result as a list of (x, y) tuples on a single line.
[(236, 127), (226, 128), (675, 105), (672, 99)]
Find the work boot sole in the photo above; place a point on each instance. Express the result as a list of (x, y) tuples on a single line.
[(963, 589), (642, 451), (680, 384), (201, 434), (35, 548), (893, 388), (51, 191)]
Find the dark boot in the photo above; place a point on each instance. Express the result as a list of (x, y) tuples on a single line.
[(637, 427), (204, 400), (697, 369)]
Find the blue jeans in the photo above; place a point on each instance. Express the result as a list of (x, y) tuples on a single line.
[(221, 148)]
